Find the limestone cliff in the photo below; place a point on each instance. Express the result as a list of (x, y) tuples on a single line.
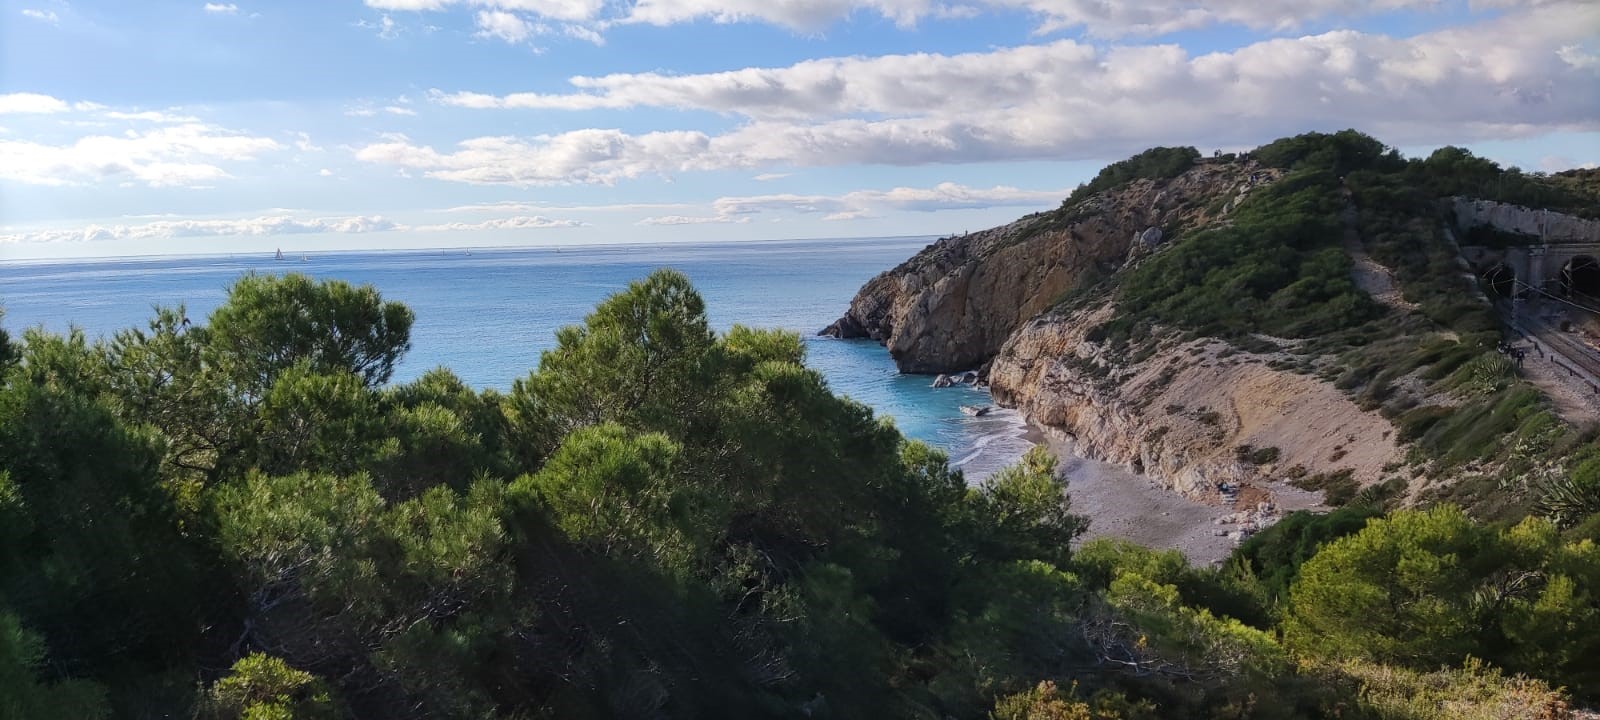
[(1179, 414), (1549, 226), (954, 304), (1182, 414)]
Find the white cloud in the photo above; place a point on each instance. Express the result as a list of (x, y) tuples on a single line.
[(48, 16), (1098, 17), (505, 26), (387, 28), (536, 222), (1558, 163), (152, 116), (769, 177), (221, 8), (524, 207), (1061, 100), (864, 203), (268, 225), (803, 15), (25, 102), (164, 229), (556, 9), (325, 173), (173, 155), (691, 220), (398, 110)]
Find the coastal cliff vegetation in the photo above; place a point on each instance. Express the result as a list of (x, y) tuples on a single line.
[(241, 516)]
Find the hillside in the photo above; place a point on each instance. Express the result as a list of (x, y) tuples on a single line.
[(1297, 316)]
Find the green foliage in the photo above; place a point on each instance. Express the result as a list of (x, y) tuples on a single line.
[(24, 695), (1276, 268), (610, 490), (1047, 701), (262, 687), (270, 324), (1340, 152), (643, 358), (1338, 487), (1027, 508), (1273, 556), (1157, 163), (1473, 692), (1566, 499), (94, 560), (1428, 588)]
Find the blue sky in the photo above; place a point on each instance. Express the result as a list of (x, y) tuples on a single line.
[(182, 127)]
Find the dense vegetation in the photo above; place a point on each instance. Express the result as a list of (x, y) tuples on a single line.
[(242, 519), (1155, 163)]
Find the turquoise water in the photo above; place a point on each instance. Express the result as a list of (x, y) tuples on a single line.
[(487, 315)]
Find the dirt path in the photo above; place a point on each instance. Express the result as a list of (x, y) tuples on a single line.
[(1370, 275)]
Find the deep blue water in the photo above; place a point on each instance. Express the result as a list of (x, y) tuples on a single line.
[(487, 315)]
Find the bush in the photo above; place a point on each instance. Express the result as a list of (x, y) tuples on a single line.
[(1157, 162)]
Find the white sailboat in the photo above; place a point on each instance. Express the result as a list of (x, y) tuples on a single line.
[(279, 256)]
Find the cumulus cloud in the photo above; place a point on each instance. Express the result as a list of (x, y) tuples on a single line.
[(172, 155), (505, 26), (268, 225), (1060, 100), (48, 16), (221, 8), (1097, 18), (35, 103)]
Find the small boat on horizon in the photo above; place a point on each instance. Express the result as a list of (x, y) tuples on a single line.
[(279, 256)]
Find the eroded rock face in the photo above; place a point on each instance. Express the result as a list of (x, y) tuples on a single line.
[(1549, 226), (1180, 415), (952, 305)]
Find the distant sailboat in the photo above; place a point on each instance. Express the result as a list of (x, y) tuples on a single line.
[(304, 259), (279, 256)]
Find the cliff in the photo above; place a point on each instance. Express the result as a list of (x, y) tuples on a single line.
[(954, 304), (1547, 225), (1182, 414)]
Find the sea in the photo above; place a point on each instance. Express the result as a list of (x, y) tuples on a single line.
[(487, 314)]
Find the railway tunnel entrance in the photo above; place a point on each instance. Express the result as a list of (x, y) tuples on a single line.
[(1580, 280)]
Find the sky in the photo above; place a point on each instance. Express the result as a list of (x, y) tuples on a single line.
[(167, 126)]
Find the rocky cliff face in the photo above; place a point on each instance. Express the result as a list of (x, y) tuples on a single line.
[(1550, 226), (952, 306), (1181, 414), (1197, 415)]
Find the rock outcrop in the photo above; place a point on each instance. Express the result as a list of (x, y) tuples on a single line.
[(1181, 415), (1549, 226), (955, 303)]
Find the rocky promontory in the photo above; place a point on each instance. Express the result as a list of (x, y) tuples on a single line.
[(954, 304)]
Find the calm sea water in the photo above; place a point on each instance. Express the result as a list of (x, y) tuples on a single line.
[(487, 315)]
